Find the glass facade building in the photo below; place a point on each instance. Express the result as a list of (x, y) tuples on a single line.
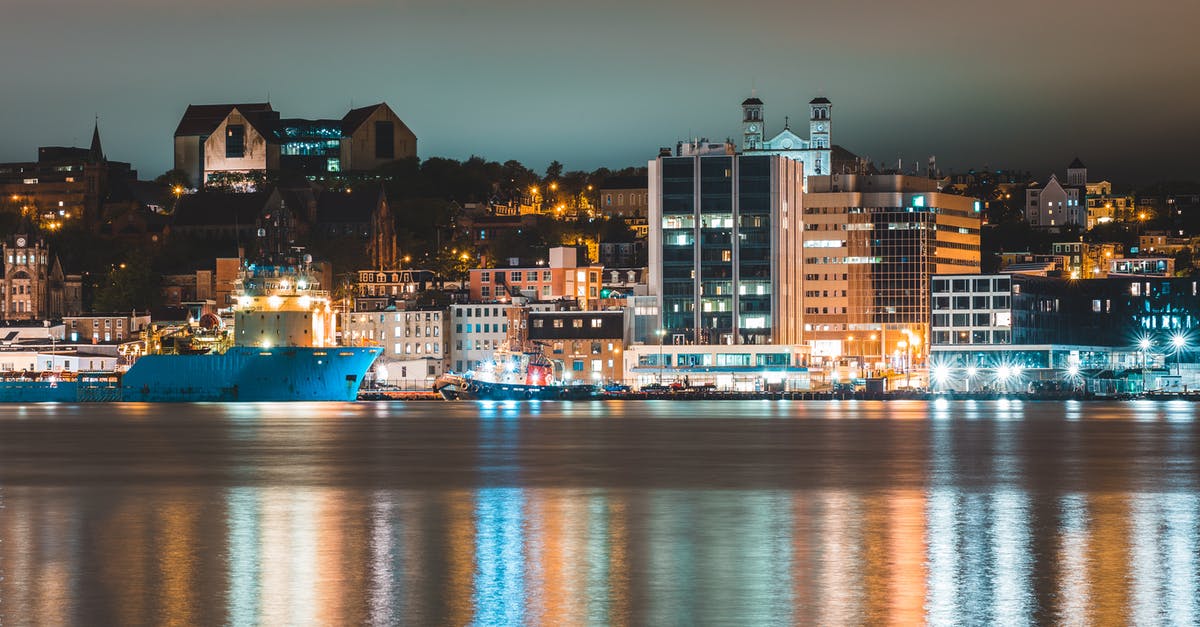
[(720, 256), (1021, 309), (871, 244)]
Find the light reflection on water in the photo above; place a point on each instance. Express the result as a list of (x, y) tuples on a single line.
[(634, 513)]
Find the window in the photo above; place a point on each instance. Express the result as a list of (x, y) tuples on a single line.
[(384, 141), (577, 365), (596, 323), (235, 141), (577, 323), (558, 323)]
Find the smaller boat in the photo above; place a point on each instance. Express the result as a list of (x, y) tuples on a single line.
[(514, 376)]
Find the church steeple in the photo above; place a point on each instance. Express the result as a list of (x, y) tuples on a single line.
[(96, 153), (752, 121)]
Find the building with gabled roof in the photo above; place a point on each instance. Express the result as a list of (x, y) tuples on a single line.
[(253, 139)]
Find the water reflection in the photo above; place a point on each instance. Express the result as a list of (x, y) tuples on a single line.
[(970, 512)]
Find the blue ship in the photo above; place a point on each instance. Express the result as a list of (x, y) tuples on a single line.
[(281, 347), (251, 374)]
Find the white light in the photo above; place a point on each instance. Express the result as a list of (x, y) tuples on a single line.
[(971, 371), (245, 301), (305, 302), (1144, 343), (1003, 372), (941, 373), (266, 343), (1178, 341), (274, 301), (1072, 371), (302, 284), (283, 285)]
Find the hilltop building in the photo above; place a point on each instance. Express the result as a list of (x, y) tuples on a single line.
[(64, 184), (816, 152), (212, 141)]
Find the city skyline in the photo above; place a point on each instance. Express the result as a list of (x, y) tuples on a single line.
[(595, 86)]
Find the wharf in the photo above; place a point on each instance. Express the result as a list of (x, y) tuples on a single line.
[(714, 395)]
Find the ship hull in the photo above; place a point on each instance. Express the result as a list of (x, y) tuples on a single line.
[(251, 375), (38, 392)]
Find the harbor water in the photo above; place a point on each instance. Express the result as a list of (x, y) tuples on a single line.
[(622, 512)]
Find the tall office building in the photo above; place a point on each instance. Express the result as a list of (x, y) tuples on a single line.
[(870, 245), (724, 245)]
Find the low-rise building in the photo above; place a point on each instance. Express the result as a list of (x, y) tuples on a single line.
[(759, 367), (588, 343), (105, 327), (565, 277)]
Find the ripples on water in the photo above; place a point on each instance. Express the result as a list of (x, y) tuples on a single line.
[(662, 513)]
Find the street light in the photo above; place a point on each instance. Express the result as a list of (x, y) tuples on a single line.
[(1179, 342), (902, 347), (660, 333)]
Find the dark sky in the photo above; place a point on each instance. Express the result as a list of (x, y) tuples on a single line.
[(1025, 83)]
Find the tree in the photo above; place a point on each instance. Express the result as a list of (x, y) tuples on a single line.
[(554, 170), (132, 284)]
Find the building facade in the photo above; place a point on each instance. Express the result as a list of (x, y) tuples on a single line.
[(34, 286), (563, 278), (588, 343), (724, 246), (251, 138), (870, 245), (415, 343), (64, 185), (478, 330)]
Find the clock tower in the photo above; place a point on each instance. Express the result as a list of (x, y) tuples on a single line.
[(752, 124), (819, 133)]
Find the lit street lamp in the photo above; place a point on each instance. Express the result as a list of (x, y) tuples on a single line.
[(1179, 342)]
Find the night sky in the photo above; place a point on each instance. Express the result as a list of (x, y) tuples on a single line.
[(1027, 84)]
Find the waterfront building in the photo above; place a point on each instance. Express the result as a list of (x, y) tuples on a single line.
[(1023, 309), (414, 341), (588, 343), (724, 245), (870, 245), (565, 277), (252, 139), (478, 330), (33, 286), (1005, 331), (742, 368)]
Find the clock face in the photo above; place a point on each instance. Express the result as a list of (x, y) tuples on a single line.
[(20, 242), (787, 143), (752, 128), (820, 127)]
